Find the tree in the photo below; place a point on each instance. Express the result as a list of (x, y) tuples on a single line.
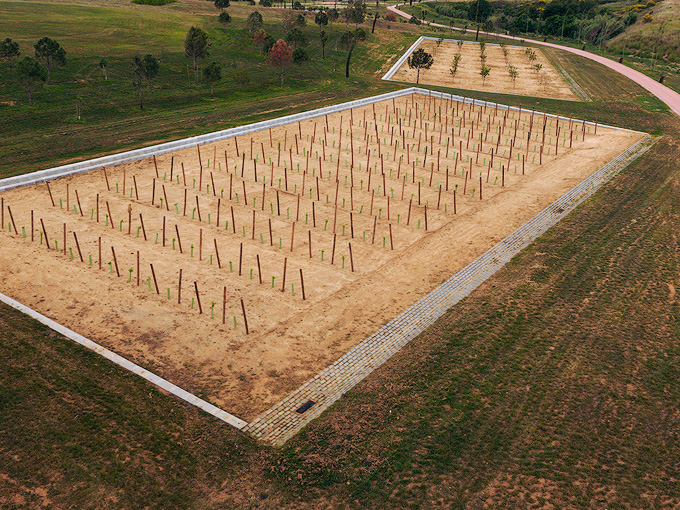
[(8, 50), (514, 73), (296, 38), (224, 17), (138, 76), (102, 64), (333, 15), (151, 67), (454, 66), (32, 76), (280, 57), (348, 42), (259, 38), (420, 59), (288, 20), (538, 67), (484, 72), (222, 4), (241, 77), (196, 44), (300, 56), (269, 41), (355, 12), (321, 18), (375, 20), (51, 54), (300, 20), (254, 21), (266, 3), (323, 36), (213, 73)]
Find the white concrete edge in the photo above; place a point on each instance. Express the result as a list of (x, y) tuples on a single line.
[(126, 364), (388, 75), (137, 154)]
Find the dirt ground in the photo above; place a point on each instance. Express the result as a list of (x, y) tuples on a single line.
[(529, 82), (290, 339)]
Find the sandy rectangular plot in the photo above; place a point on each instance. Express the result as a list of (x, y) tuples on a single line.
[(543, 83), (290, 339)]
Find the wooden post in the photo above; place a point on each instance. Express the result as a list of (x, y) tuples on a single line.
[(110, 217), (375, 224), (408, 218), (163, 230), (153, 191), (198, 298), (240, 260), (167, 205), (271, 238), (333, 251), (138, 276), (454, 201), (79, 206), (253, 237), (391, 239), (233, 223), (64, 248), (200, 244), (309, 232), (217, 254), (179, 287), (351, 259), (259, 270), (32, 227), (302, 284), (155, 282), (426, 218), (11, 217), (212, 179), (283, 285), (78, 247), (245, 319), (292, 235), (179, 240), (115, 261), (141, 220), (50, 192), (198, 209), (106, 177), (480, 187), (224, 296), (99, 242), (185, 203), (155, 165)]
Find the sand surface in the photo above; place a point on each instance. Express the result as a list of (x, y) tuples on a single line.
[(290, 339), (529, 82)]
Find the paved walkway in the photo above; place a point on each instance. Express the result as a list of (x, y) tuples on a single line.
[(668, 96)]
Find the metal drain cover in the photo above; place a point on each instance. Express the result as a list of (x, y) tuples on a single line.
[(304, 407)]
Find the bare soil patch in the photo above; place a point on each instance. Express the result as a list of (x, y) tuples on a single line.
[(323, 168), (545, 82)]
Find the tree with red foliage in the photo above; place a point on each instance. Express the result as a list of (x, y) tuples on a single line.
[(280, 56)]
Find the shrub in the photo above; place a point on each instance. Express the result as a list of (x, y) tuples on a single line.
[(153, 2), (266, 3)]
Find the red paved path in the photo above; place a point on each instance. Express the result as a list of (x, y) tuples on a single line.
[(668, 96)]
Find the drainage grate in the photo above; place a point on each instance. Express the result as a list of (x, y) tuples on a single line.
[(304, 407)]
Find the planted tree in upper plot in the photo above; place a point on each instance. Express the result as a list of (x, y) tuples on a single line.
[(321, 18), (151, 68), (103, 65), (420, 59), (196, 45), (50, 53), (222, 4), (296, 38), (259, 38), (300, 56), (32, 76), (454, 66), (514, 73), (485, 73)]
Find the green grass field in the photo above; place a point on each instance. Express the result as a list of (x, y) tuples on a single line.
[(555, 384)]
